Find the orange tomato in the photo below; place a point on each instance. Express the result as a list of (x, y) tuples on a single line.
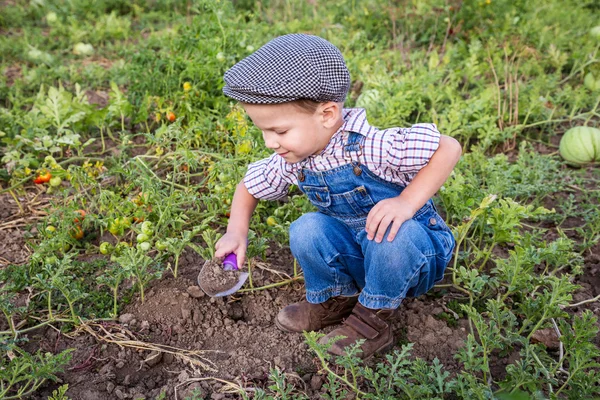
[(171, 116), (76, 232), (43, 177), (80, 212)]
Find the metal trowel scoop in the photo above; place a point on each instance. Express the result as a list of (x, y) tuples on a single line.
[(218, 279)]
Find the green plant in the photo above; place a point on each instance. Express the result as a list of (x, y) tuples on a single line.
[(60, 393), (137, 265), (21, 373)]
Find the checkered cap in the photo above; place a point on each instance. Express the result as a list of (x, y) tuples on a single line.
[(288, 68)]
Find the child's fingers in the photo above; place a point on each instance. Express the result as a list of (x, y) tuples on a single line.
[(224, 248), (394, 229), (373, 221), (240, 253), (383, 225), (241, 258), (221, 252)]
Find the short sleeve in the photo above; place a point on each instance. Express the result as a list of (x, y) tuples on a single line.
[(267, 179), (410, 149)]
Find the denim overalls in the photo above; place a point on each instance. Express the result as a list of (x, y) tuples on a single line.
[(332, 248)]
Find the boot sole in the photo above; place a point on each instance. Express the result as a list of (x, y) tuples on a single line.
[(283, 328), (384, 348)]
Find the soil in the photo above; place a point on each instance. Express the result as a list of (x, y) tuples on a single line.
[(235, 336), (214, 279), (180, 340)]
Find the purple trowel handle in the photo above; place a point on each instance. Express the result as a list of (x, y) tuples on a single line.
[(230, 263)]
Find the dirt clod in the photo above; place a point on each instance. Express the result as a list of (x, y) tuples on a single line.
[(214, 279)]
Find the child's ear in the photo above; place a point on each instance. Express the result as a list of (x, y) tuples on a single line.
[(330, 113)]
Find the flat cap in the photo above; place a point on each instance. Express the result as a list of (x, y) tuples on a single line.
[(288, 68)]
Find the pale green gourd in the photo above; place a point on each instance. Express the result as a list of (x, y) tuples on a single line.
[(580, 145)]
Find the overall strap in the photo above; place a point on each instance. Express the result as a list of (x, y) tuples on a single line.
[(353, 149), (354, 143)]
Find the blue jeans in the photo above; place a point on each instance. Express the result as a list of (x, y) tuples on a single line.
[(337, 258)]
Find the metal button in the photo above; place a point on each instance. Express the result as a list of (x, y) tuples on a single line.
[(301, 176), (432, 221), (357, 170)]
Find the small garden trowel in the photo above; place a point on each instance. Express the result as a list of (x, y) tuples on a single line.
[(205, 277)]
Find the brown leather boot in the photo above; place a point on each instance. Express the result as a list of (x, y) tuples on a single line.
[(305, 316), (363, 323)]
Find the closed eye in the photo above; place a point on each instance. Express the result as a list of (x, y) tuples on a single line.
[(281, 133)]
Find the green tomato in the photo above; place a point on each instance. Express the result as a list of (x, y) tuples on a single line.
[(160, 245), (147, 228), (145, 246), (591, 82), (115, 228), (50, 229), (105, 248), (51, 260), (142, 237), (126, 222), (56, 181)]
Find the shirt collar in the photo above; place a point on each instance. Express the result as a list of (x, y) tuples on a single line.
[(355, 120)]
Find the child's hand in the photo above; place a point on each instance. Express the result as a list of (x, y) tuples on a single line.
[(232, 243), (395, 211)]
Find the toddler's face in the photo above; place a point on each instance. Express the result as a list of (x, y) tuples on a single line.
[(291, 132)]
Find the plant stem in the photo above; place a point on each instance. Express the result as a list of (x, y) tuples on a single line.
[(583, 302), (11, 323), (115, 295), (566, 382), (16, 185), (272, 285), (50, 304), (250, 275), (321, 358), (176, 265), (83, 158), (17, 201)]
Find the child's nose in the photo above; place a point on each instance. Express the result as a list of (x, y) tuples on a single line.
[(270, 141)]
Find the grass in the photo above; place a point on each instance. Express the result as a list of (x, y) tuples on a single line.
[(503, 77)]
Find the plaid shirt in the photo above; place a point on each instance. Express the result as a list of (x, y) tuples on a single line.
[(394, 154)]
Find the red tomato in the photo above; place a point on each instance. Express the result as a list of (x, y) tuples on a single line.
[(43, 178)]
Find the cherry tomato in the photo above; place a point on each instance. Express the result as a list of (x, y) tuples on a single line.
[(80, 212), (160, 246), (105, 248), (55, 181), (43, 178), (171, 116), (76, 232), (147, 228), (271, 221)]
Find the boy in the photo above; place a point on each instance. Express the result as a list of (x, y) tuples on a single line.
[(376, 237)]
